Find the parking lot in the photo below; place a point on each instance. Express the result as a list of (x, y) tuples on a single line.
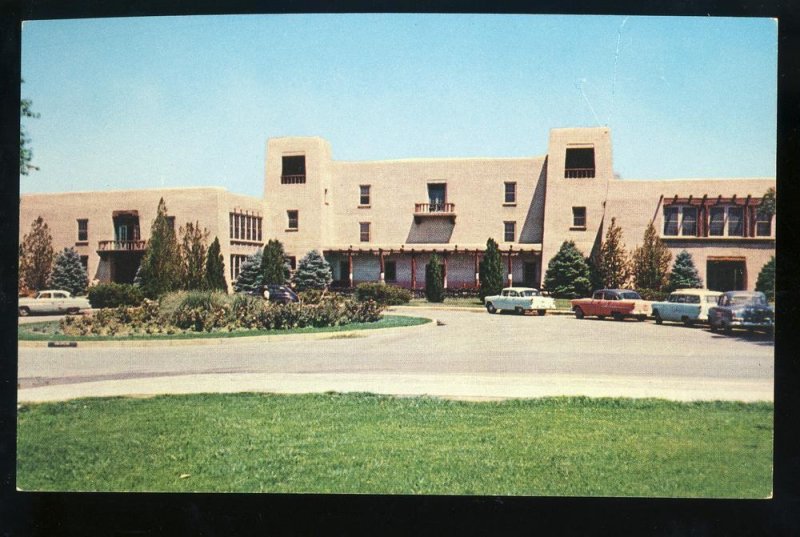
[(467, 354)]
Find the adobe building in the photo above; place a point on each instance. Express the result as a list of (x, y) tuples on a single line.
[(382, 220)]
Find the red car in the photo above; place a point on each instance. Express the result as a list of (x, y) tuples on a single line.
[(614, 303)]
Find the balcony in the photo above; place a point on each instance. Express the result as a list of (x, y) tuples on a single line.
[(295, 179), (579, 173), (121, 246), (438, 209)]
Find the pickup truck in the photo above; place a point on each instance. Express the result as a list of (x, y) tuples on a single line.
[(520, 300), (741, 309), (614, 303), (688, 306), (53, 301)]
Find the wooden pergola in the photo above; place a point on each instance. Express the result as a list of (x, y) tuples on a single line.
[(704, 203)]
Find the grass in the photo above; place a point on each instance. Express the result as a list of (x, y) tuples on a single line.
[(50, 331), (361, 443)]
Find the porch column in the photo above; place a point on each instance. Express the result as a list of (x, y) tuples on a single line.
[(350, 267), (444, 270), (510, 267), (477, 270), (383, 273), (413, 271)]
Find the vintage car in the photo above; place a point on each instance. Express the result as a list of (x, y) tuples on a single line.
[(614, 303), (279, 294), (520, 300), (53, 301), (687, 306), (741, 309)]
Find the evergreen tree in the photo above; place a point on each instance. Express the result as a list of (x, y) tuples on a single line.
[(684, 274), (613, 264), (274, 268), (651, 262), (768, 205), (161, 268), (193, 255), (68, 273), (434, 280), (25, 151), (250, 277), (215, 268), (313, 272), (36, 256), (491, 274), (766, 280), (568, 274)]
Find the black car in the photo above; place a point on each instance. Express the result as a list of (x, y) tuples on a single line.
[(279, 294), (741, 309)]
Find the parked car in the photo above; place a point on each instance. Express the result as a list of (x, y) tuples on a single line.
[(53, 301), (688, 306), (279, 294), (741, 309), (520, 300), (615, 303)]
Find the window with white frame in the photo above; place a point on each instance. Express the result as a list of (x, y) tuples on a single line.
[(292, 221), (510, 192), (763, 224), (244, 227), (364, 196), (579, 217), (509, 231), (716, 221), (680, 221), (735, 222), (364, 231), (236, 265)]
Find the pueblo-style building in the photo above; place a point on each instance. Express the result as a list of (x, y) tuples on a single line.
[(382, 220)]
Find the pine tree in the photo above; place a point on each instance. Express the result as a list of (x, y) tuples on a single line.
[(651, 262), (766, 280), (68, 273), (273, 263), (36, 256), (568, 274), (161, 268), (684, 274), (250, 277), (613, 264), (434, 280), (313, 272), (215, 268), (491, 274), (193, 255)]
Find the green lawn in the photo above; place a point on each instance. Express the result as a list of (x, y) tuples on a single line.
[(361, 443), (50, 331)]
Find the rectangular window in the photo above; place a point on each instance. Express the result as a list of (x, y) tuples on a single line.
[(579, 163), (390, 271), (293, 170), (763, 225), (258, 228), (83, 230), (293, 223), (511, 193), (510, 231), (364, 231), (579, 217), (363, 199), (716, 225), (735, 222), (236, 265), (689, 222), (670, 221)]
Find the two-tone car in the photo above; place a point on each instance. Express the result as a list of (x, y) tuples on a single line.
[(687, 306), (520, 300), (741, 309), (615, 303), (53, 301)]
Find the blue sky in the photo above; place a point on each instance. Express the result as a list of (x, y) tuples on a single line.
[(191, 101)]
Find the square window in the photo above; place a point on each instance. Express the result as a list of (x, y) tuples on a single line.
[(364, 195), (83, 230), (510, 193), (735, 222), (670, 221), (364, 231), (763, 225), (689, 223), (292, 217), (293, 170), (579, 163), (510, 229), (579, 217), (390, 271)]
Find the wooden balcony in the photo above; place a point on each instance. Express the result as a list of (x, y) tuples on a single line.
[(293, 179), (441, 209), (121, 246), (579, 173)]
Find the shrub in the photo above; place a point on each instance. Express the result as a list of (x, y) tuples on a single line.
[(491, 275), (250, 278), (313, 272), (111, 295), (568, 274), (766, 280), (652, 294), (246, 311), (202, 311), (434, 280), (389, 295), (312, 296), (121, 320)]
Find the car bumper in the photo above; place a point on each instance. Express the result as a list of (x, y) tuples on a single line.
[(749, 324)]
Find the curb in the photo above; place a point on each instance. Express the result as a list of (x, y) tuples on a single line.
[(471, 309)]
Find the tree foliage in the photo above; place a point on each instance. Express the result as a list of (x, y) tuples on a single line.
[(68, 273), (25, 151), (250, 276), (313, 272), (768, 205), (651, 262), (434, 280), (490, 272), (274, 268), (766, 280), (684, 274), (193, 256), (568, 274), (215, 268), (613, 265), (161, 270), (36, 256)]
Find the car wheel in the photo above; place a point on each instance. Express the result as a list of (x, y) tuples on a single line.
[(641, 318), (727, 327), (687, 321), (72, 311), (657, 317), (519, 311), (490, 308), (617, 316), (24, 311), (712, 326), (541, 312), (601, 317), (579, 313)]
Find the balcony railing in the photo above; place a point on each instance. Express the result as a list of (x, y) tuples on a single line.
[(579, 173), (293, 179), (434, 208), (121, 246)]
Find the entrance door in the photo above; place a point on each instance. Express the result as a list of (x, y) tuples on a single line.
[(530, 274), (437, 196), (344, 272), (726, 275)]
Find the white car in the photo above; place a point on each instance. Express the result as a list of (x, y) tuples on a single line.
[(520, 300), (53, 301), (688, 306)]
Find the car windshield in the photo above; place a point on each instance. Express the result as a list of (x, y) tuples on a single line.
[(530, 292), (630, 295), (739, 300)]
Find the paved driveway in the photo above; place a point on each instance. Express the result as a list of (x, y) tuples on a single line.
[(467, 355)]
